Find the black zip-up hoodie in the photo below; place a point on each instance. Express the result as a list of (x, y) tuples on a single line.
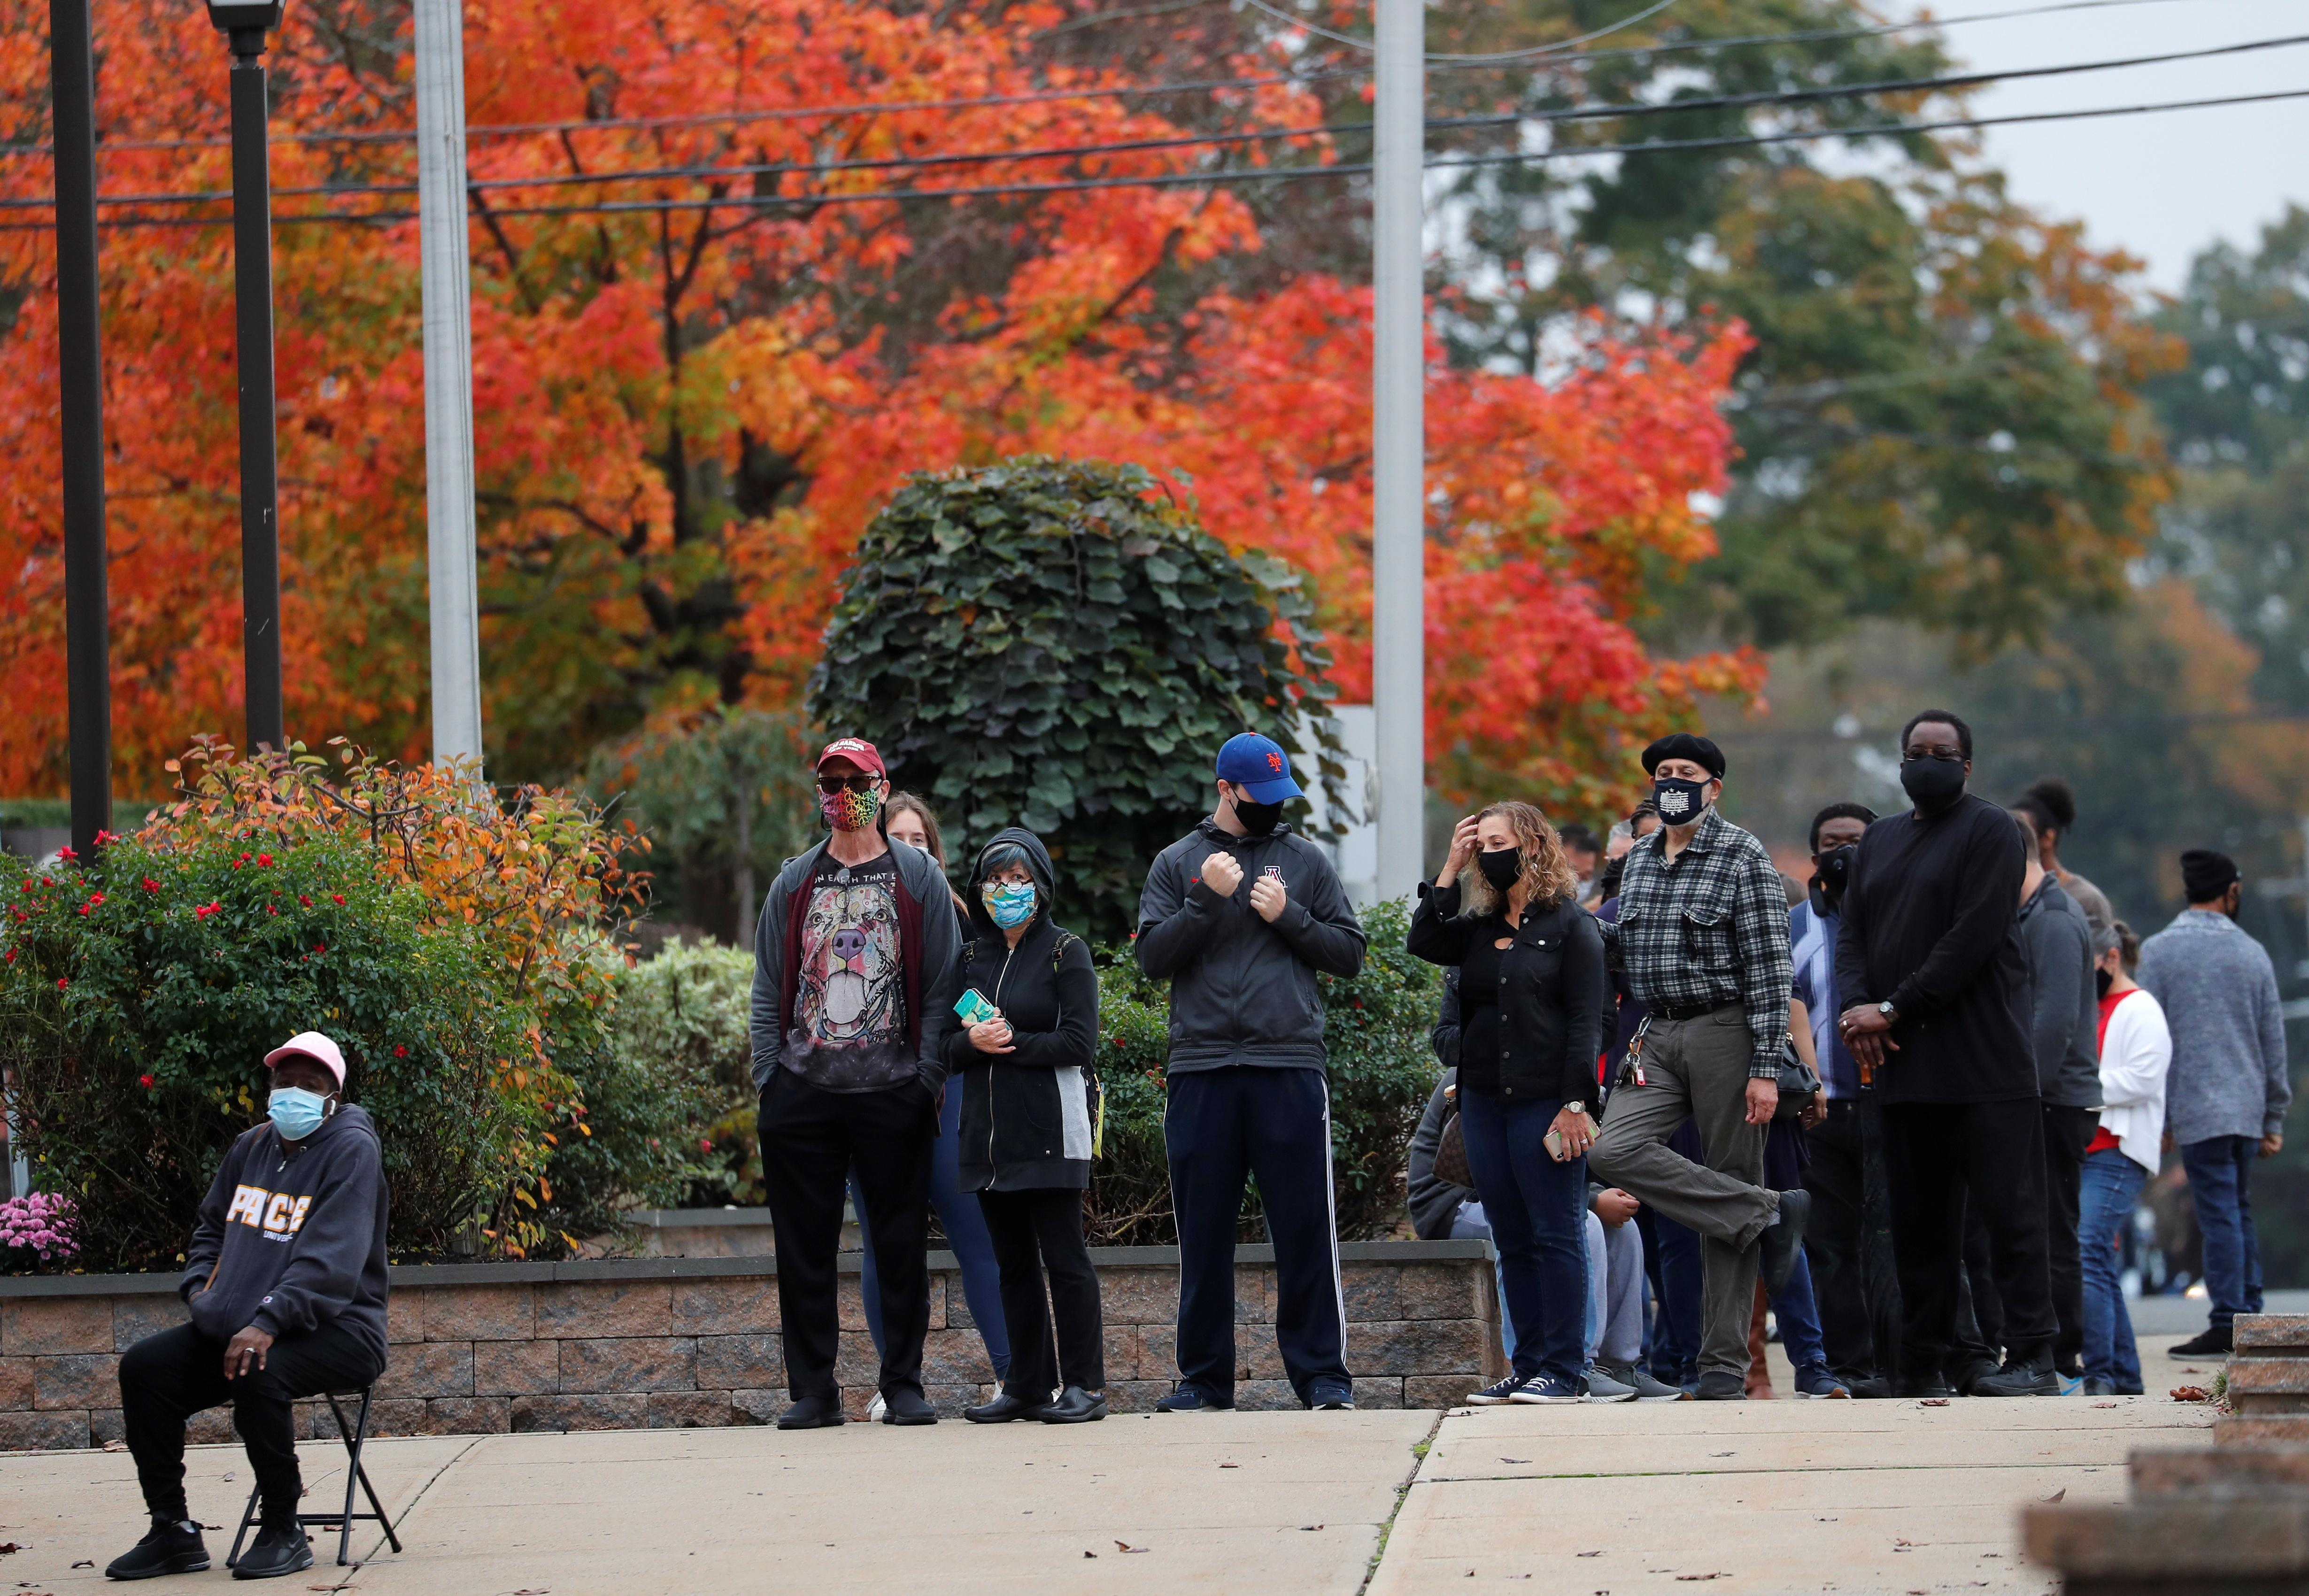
[(1243, 991), (1026, 1114), (290, 1239)]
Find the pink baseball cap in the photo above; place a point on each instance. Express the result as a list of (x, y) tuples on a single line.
[(312, 1045)]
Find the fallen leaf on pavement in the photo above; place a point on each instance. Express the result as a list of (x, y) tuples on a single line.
[(1126, 1546), (1597, 1553), (1230, 1465), (1934, 1401), (85, 1563), (1719, 1574), (1732, 1453), (1515, 1459), (2104, 1404), (1094, 1555), (10, 1546), (2192, 1393), (116, 1445), (1310, 1526), (2056, 1496)]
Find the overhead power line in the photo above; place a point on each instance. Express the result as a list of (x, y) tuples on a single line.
[(1210, 179), (1495, 58), (1061, 152), (1045, 96)]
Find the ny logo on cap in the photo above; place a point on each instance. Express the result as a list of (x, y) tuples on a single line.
[(1275, 763)]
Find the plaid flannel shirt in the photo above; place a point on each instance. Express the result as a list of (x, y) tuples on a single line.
[(1710, 928)]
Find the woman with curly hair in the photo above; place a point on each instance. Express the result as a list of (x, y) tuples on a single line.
[(1531, 994)]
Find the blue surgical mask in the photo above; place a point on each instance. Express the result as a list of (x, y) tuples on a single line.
[(1010, 905), (296, 1112)]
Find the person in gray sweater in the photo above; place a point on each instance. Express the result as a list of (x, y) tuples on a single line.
[(2226, 1093), (2064, 1032)]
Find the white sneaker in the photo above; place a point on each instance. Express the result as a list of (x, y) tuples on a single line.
[(876, 1409)]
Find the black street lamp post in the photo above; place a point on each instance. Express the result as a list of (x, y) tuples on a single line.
[(80, 371), (245, 26)]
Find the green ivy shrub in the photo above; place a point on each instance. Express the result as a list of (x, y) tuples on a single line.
[(1057, 644), (139, 992), (1382, 1070)]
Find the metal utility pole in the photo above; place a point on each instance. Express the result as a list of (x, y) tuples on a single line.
[(451, 564), (79, 372), (1398, 446), (245, 27)]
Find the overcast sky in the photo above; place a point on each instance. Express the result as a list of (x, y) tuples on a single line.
[(2162, 186)]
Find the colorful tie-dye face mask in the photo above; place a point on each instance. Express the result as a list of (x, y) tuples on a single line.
[(848, 811)]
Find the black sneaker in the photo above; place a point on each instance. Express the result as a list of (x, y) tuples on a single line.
[(902, 1404), (1782, 1244), (1004, 1408), (1868, 1387), (1930, 1388), (2217, 1341), (1192, 1399), (2033, 1378), (814, 1412), (171, 1546), (1721, 1385), (1075, 1405), (278, 1550), (1330, 1396)]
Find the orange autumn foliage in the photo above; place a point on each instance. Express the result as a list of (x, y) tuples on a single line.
[(685, 418)]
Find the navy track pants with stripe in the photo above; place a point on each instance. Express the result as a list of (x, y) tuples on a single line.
[(1220, 1127)]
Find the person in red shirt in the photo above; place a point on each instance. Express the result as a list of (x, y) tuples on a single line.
[(2135, 1048)]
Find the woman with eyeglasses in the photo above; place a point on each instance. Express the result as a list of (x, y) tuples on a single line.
[(1025, 1143), (906, 818), (1531, 1002)]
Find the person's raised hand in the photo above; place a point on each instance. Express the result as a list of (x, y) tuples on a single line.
[(1465, 845), (1763, 1099), (992, 1036), (245, 1351), (1222, 872), (1267, 897), (1614, 1207)]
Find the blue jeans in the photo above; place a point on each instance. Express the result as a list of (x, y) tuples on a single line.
[(1470, 1225), (966, 1235), (2111, 1188), (1799, 1320), (2220, 1178), (1538, 1211)]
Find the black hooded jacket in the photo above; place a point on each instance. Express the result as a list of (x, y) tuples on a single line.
[(1026, 1114)]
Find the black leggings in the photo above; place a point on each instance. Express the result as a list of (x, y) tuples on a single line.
[(166, 1379), (1032, 1231)]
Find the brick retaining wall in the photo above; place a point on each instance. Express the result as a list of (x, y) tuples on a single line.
[(690, 1342)]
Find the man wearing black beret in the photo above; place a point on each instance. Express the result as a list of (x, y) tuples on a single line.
[(1702, 936)]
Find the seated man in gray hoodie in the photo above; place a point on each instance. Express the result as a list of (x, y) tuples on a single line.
[(286, 1280)]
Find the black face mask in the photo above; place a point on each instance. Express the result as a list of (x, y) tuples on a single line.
[(1933, 783), (1679, 802), (1834, 869), (1500, 866), (1257, 820), (2103, 980)]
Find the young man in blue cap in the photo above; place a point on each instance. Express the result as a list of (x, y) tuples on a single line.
[(1239, 915)]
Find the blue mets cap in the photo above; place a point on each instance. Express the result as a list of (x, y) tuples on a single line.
[(1258, 766)]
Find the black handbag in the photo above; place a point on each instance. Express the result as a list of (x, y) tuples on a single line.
[(1798, 1081), (1451, 1155)]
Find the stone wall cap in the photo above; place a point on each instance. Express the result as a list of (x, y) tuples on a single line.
[(419, 1276)]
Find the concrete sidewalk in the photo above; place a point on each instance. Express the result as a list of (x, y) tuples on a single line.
[(1751, 1496)]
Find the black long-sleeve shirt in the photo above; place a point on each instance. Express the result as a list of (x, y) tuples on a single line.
[(1931, 922)]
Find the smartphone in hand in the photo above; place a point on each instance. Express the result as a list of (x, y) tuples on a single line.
[(974, 1008)]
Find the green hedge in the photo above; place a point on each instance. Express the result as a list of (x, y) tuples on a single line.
[(140, 993), (687, 1011)]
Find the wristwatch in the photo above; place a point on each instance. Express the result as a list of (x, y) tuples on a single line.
[(1575, 1107), (1886, 1009)]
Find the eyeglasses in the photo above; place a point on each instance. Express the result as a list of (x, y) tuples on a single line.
[(830, 785)]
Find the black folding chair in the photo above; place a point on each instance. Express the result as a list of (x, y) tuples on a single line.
[(353, 1435)]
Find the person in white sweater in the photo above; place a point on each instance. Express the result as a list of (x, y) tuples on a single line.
[(2136, 1047)]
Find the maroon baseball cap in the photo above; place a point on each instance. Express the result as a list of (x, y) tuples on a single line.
[(858, 750)]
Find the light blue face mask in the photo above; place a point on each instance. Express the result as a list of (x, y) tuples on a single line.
[(1010, 905), (296, 1112)]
